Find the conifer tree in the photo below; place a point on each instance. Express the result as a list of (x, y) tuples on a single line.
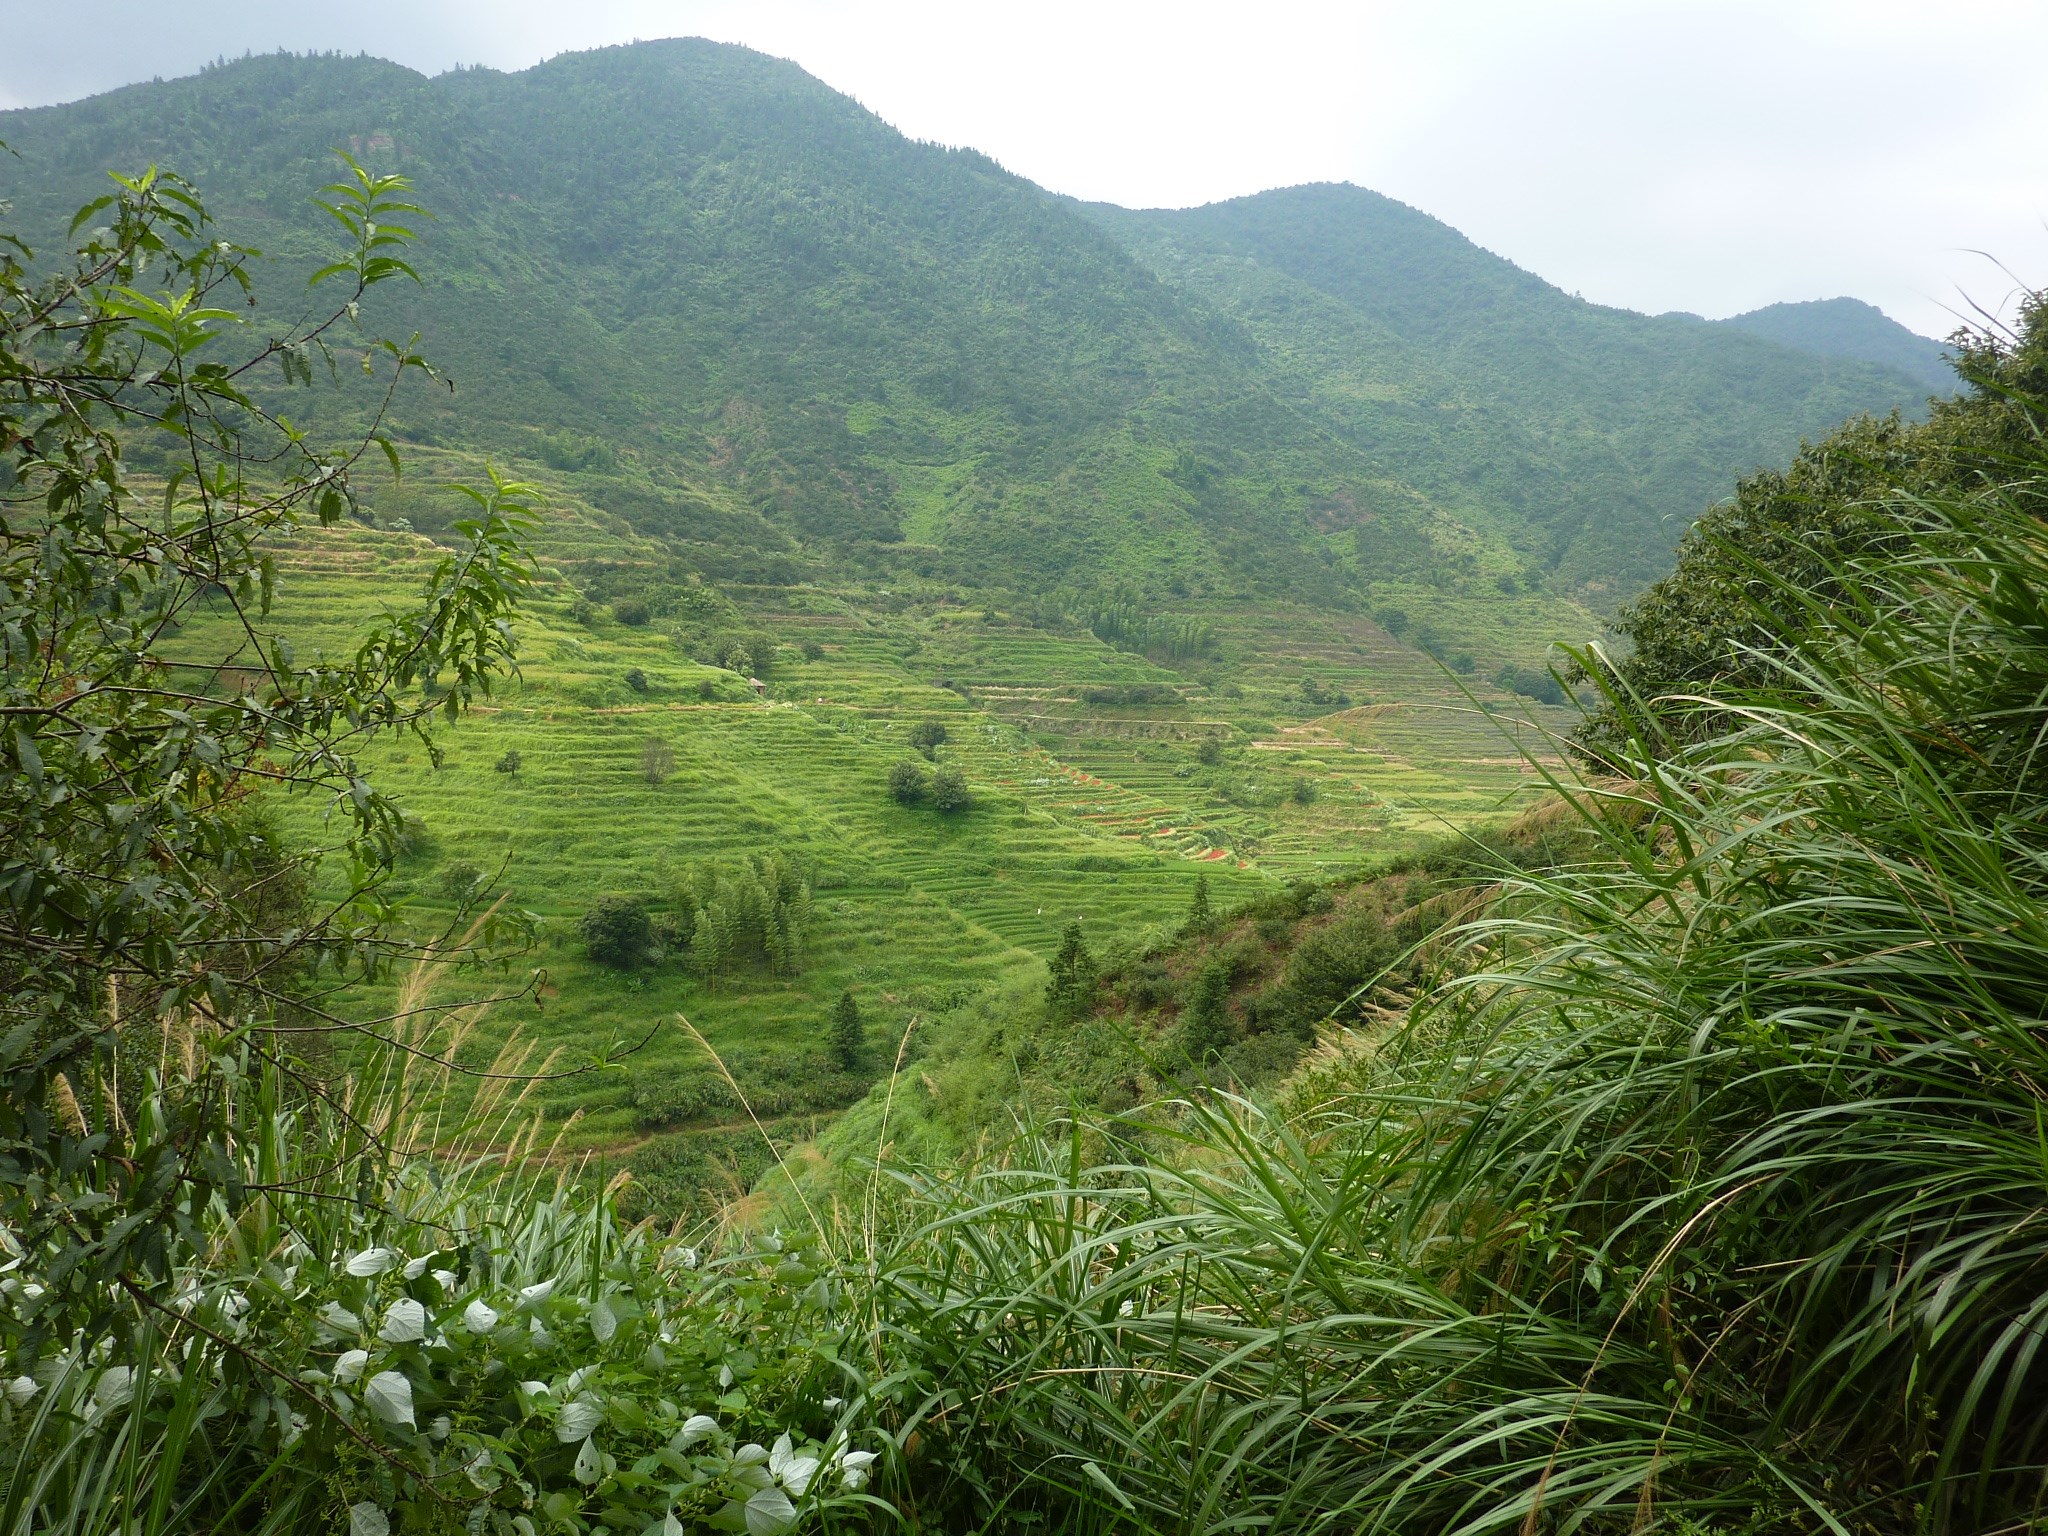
[(1205, 1023), (1073, 975), (846, 1034), (1199, 914)]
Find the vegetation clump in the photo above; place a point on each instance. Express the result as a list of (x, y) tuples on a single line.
[(908, 782), (617, 932)]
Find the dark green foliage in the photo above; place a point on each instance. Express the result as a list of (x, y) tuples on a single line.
[(1131, 693), (1072, 979), (508, 763), (1210, 753), (1537, 683), (1333, 966), (631, 611), (756, 913), (1302, 792), (1126, 624), (846, 1034), (1717, 622), (616, 931), (927, 736), (1317, 695), (1200, 917), (909, 784), (949, 791), (636, 680), (1205, 1032)]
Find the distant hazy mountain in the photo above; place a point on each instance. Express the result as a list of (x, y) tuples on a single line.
[(763, 325), (1585, 435), (1853, 329)]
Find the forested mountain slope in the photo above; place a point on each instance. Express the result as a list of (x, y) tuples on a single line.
[(1851, 328), (769, 329), (1586, 436)]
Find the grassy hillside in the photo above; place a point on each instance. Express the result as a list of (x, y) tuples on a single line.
[(1104, 785), (1585, 437)]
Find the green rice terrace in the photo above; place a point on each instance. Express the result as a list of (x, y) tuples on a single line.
[(1103, 785)]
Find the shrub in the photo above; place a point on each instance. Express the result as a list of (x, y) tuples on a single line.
[(813, 651), (927, 736), (1531, 683), (657, 759), (458, 882), (1210, 752), (509, 762), (616, 932), (949, 790), (631, 611), (636, 680), (908, 782)]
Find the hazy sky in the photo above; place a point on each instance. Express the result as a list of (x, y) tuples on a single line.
[(1661, 156)]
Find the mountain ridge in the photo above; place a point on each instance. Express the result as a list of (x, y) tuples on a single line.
[(758, 321)]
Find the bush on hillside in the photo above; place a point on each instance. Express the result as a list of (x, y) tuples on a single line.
[(909, 784), (949, 791), (616, 932)]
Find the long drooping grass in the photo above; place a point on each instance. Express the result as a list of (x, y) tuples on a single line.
[(1708, 1190)]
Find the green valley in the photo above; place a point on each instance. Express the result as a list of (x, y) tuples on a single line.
[(714, 821)]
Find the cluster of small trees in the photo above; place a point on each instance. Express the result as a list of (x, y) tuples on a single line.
[(1128, 627), (750, 654), (943, 788), (1318, 695), (717, 917)]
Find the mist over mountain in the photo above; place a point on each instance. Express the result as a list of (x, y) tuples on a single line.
[(763, 326)]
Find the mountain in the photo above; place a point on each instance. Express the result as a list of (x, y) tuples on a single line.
[(1853, 329), (1588, 437), (747, 316)]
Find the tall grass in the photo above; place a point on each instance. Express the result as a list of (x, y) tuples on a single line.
[(1707, 1190), (548, 1359)]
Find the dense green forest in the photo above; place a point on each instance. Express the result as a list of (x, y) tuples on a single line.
[(778, 336), (977, 902)]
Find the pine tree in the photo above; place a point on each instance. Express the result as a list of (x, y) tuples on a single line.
[(1199, 915), (847, 1032), (1205, 1022), (1073, 975)]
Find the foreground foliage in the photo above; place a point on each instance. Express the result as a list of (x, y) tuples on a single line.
[(1704, 1192)]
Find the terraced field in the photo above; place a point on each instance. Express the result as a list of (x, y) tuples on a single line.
[(1104, 785)]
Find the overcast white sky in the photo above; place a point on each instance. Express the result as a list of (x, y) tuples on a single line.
[(1711, 157)]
